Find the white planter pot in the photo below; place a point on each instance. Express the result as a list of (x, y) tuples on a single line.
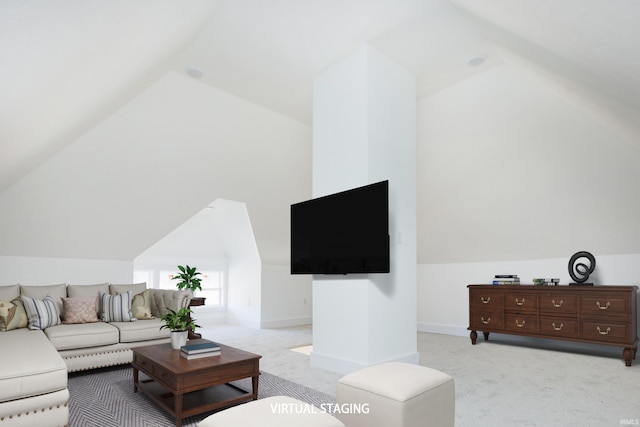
[(178, 339)]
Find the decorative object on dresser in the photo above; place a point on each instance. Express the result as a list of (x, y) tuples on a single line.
[(579, 271), (595, 315), (544, 281)]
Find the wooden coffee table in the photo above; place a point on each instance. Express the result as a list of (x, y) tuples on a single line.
[(188, 387)]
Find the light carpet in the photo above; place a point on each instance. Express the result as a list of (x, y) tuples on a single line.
[(105, 397), (508, 381)]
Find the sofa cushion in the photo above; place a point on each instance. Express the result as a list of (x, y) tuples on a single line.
[(141, 305), (135, 288), (10, 292), (88, 291), (42, 313), (12, 315), (57, 292), (82, 335), (116, 308), (162, 299), (30, 365), (80, 309), (141, 331)]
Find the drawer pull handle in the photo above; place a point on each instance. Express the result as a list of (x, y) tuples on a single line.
[(485, 301), (558, 305), (605, 332), (520, 302), (486, 322), (520, 325), (603, 307), (557, 328)]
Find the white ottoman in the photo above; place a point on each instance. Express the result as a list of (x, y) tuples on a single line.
[(398, 395), (277, 411)]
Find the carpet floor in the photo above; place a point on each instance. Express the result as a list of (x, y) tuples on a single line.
[(105, 397)]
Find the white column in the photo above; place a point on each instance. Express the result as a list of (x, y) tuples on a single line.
[(364, 131)]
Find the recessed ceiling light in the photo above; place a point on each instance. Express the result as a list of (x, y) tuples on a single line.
[(194, 72), (476, 60)]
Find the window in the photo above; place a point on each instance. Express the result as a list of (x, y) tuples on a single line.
[(212, 285)]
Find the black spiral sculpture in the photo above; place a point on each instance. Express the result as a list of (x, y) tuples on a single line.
[(579, 271)]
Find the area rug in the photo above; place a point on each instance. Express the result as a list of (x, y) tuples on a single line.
[(105, 397)]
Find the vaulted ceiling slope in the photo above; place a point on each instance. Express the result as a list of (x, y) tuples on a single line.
[(66, 65), (109, 81)]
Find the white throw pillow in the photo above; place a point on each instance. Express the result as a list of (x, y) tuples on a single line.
[(42, 313), (116, 308)]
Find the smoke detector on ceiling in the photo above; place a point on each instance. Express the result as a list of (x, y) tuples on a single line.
[(194, 72), (476, 60)]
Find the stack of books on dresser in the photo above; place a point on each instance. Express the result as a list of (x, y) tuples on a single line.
[(203, 348), (506, 279)]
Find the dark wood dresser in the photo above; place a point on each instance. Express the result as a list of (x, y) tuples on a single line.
[(589, 314)]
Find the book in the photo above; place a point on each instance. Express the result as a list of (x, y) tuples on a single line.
[(506, 282), (200, 355), (202, 347), (506, 279)]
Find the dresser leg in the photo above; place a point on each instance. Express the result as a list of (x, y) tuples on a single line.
[(486, 336), (474, 336), (628, 355)]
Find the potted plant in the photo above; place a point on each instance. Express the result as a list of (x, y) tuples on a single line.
[(179, 322), (188, 279)]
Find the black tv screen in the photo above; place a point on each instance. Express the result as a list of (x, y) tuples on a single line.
[(346, 232)]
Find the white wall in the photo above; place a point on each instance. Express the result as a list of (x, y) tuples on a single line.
[(151, 166), (509, 170), (286, 298), (244, 293), (49, 271)]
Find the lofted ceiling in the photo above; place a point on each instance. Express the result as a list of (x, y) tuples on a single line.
[(67, 65)]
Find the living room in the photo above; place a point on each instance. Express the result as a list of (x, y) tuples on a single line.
[(527, 141)]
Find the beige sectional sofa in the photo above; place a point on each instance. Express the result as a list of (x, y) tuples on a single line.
[(34, 363)]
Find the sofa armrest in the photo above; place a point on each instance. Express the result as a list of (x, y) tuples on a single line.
[(162, 299)]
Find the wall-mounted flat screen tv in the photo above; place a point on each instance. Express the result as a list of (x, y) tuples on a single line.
[(342, 233)]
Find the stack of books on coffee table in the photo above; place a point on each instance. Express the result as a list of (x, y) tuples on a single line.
[(202, 348)]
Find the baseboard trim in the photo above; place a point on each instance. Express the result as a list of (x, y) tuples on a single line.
[(243, 322), (284, 323), (435, 328)]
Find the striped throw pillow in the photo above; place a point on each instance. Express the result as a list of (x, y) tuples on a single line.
[(41, 313), (116, 308)]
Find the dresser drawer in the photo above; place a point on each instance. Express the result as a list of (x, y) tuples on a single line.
[(522, 323), (603, 304), (486, 299), (520, 301), (486, 320), (555, 303), (605, 332), (559, 327)]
